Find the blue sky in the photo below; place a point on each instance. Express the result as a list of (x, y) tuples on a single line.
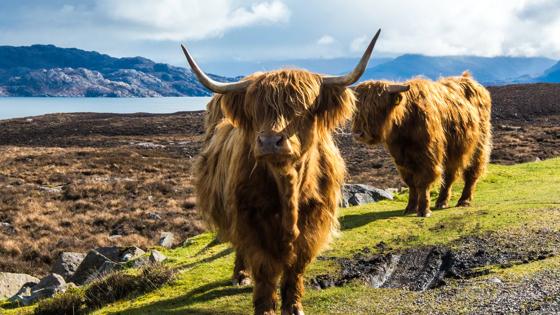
[(285, 29)]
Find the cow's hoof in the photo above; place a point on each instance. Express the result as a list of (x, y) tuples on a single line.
[(425, 214), (442, 205), (241, 280), (463, 203), (292, 311), (409, 211)]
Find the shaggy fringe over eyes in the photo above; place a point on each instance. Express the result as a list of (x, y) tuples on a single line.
[(335, 106), (372, 106), (288, 94)]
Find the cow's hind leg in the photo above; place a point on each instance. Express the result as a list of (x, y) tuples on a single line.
[(240, 272), (471, 175), (449, 177)]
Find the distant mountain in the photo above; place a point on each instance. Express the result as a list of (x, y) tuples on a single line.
[(551, 75), (46, 70), (233, 68), (494, 70)]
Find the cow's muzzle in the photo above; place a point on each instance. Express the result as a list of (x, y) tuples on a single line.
[(272, 144)]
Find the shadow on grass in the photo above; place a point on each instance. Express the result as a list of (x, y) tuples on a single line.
[(352, 221), (218, 255), (202, 294)]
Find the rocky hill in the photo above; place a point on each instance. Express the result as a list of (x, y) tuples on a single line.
[(551, 75), (490, 71), (46, 70)]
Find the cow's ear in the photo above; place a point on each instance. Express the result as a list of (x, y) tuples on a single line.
[(395, 91), (335, 106), (233, 107)]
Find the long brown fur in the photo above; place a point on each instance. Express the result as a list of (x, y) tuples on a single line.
[(278, 214), (433, 129)]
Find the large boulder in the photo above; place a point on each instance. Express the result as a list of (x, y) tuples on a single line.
[(89, 267), (359, 194), (46, 288), (12, 283), (67, 263)]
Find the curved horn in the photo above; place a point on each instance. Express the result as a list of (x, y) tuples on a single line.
[(353, 76), (214, 86), (397, 88)]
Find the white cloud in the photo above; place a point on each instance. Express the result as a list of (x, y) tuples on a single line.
[(358, 44), (195, 19), (438, 27), (325, 40)]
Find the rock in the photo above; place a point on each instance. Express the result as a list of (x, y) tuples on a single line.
[(46, 288), (11, 283), (131, 253), (166, 239), (154, 216), (141, 262), (108, 267), (103, 260), (120, 254), (52, 280), (67, 263), (157, 257), (89, 267), (495, 280), (359, 194), (7, 228)]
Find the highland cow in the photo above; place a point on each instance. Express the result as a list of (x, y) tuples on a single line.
[(430, 128), (269, 176)]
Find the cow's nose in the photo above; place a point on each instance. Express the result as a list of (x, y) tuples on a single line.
[(271, 143)]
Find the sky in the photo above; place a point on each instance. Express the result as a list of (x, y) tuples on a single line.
[(257, 30)]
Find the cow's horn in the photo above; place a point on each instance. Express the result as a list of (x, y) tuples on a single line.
[(397, 88), (214, 86), (353, 76)]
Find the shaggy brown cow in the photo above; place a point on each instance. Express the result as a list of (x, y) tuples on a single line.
[(269, 175), (429, 128)]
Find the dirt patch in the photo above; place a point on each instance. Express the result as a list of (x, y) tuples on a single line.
[(427, 267)]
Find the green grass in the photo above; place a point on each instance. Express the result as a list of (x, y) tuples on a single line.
[(510, 198)]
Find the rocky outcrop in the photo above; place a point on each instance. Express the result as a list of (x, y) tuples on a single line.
[(67, 263), (12, 283), (46, 288), (359, 194), (46, 70), (103, 260)]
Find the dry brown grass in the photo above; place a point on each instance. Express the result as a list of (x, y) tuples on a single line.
[(62, 199)]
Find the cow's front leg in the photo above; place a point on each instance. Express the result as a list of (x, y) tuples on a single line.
[(265, 275), (292, 287), (240, 272)]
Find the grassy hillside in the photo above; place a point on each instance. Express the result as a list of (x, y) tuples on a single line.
[(513, 203)]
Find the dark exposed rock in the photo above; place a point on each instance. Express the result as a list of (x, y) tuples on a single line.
[(427, 267)]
